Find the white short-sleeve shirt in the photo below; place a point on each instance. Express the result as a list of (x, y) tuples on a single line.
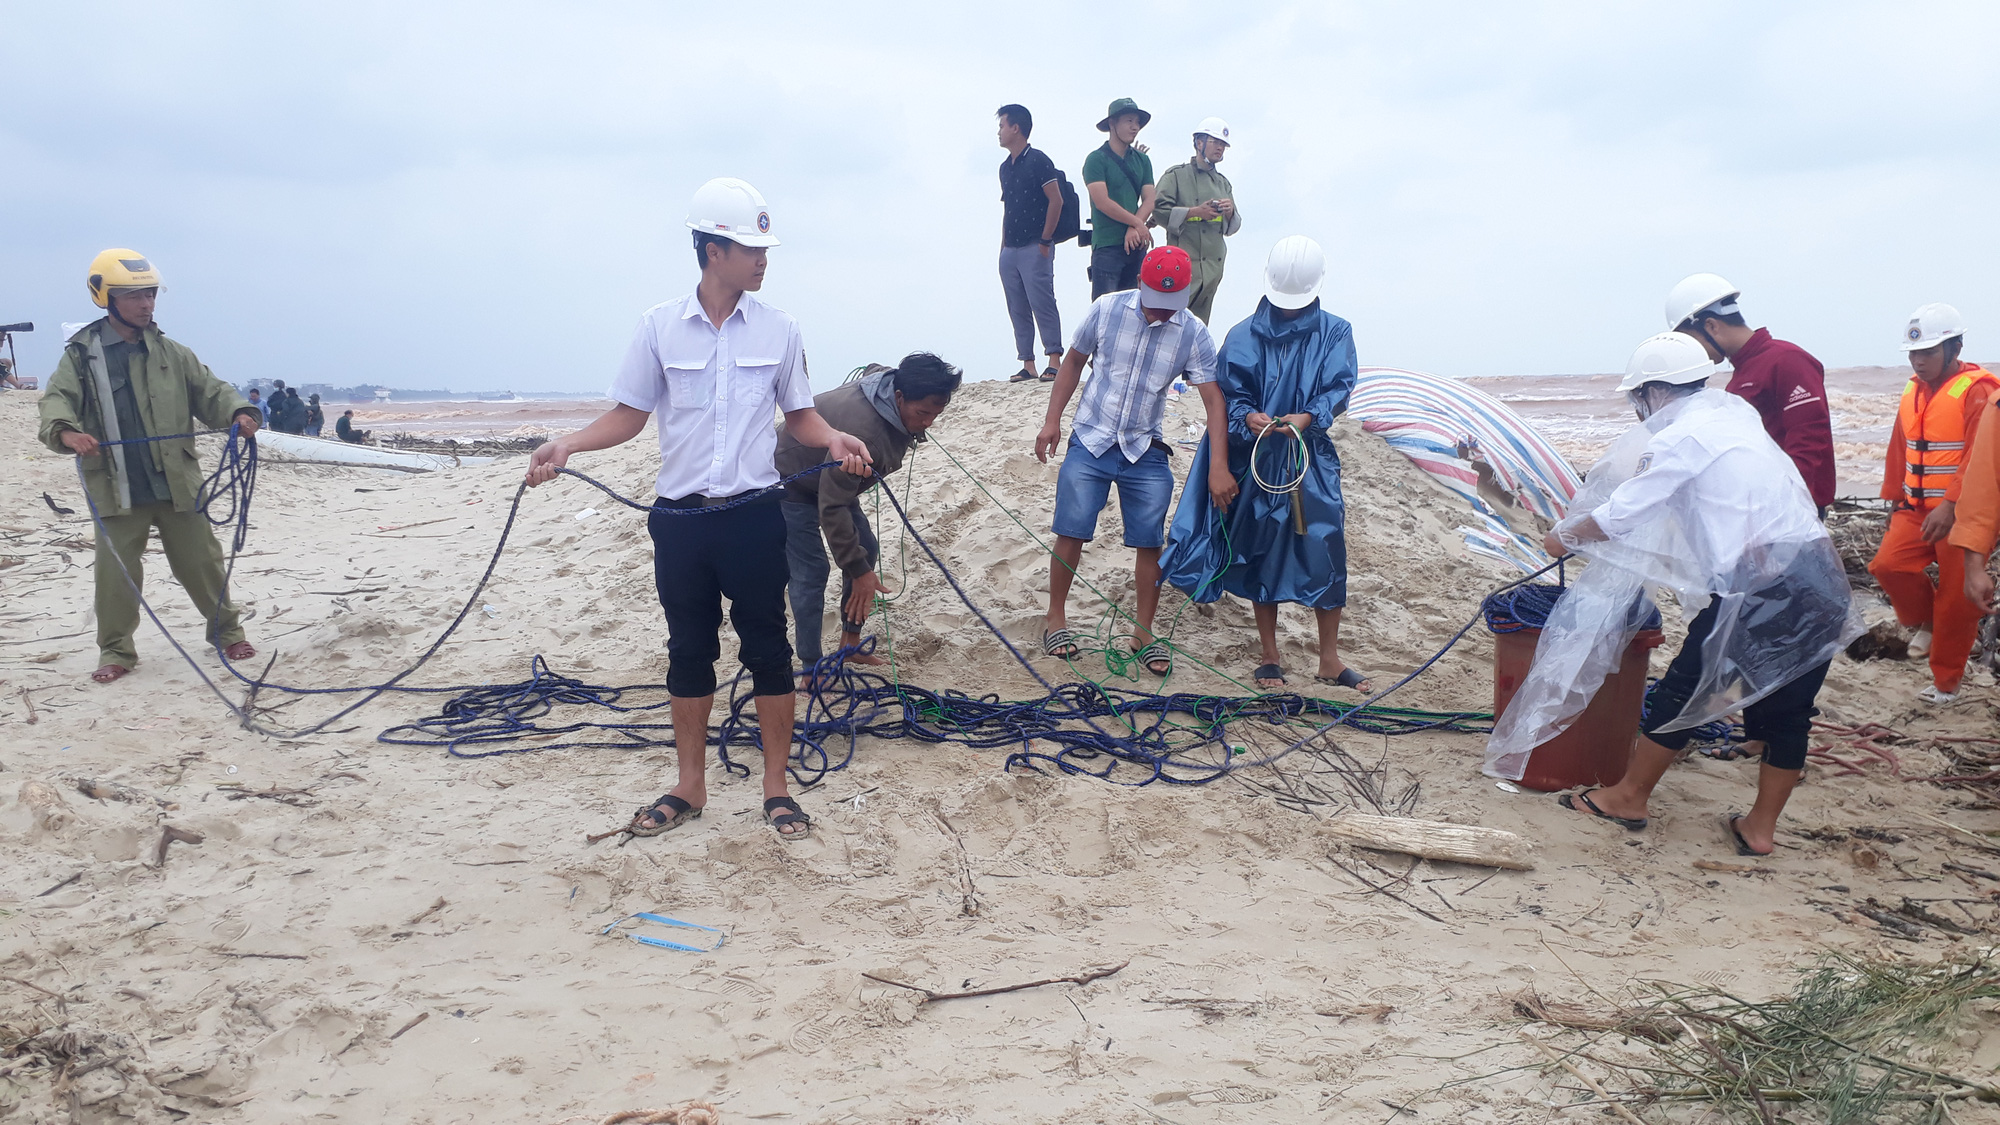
[(715, 392)]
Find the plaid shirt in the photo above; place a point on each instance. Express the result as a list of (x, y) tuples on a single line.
[(1135, 362)]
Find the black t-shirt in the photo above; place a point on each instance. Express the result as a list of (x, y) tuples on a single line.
[(1021, 194)]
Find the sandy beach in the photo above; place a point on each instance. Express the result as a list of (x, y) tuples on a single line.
[(376, 932)]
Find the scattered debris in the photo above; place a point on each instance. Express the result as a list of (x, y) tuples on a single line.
[(931, 997)]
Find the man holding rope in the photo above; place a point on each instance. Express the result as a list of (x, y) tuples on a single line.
[(888, 408), (121, 388), (716, 366), (1286, 374)]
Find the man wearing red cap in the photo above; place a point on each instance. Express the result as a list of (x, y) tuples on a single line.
[(1141, 340)]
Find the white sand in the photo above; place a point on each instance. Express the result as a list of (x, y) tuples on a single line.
[(1263, 982)]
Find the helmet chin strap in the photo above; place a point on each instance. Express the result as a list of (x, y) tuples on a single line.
[(111, 306)]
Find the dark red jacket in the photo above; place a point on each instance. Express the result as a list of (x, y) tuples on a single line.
[(1788, 388)]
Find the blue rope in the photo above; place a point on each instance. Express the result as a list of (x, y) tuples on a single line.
[(850, 703)]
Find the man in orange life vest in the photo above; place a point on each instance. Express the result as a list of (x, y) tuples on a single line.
[(1977, 529), (1934, 425)]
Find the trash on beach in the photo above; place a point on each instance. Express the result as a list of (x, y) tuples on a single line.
[(663, 943), (586, 513)]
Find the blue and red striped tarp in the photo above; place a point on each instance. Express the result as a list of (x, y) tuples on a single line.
[(1444, 426)]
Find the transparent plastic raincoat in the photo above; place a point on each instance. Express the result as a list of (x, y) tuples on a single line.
[(1696, 500)]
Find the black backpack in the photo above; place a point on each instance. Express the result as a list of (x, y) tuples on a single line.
[(1069, 224)]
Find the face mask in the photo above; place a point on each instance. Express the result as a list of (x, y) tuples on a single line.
[(1641, 405)]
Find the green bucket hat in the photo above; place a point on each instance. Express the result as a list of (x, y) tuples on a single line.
[(1123, 105)]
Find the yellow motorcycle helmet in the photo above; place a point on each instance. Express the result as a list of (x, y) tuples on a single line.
[(120, 269)]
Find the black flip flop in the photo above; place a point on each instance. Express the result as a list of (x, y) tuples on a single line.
[(1742, 846), (1629, 823), (1022, 376), (1727, 752), (793, 814), (673, 811), (1348, 678), (1268, 672), (1049, 375)]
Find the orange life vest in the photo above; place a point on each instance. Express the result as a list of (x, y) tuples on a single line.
[(1935, 434)]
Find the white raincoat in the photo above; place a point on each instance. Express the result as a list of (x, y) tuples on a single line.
[(1699, 501)]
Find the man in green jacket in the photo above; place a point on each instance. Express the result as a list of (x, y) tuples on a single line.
[(121, 380), (1197, 206), (888, 408)]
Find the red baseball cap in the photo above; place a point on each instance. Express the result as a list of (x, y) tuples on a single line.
[(1166, 278)]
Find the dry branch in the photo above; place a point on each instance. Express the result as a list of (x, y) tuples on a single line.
[(931, 997)]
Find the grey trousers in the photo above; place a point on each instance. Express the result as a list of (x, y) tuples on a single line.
[(805, 553), (1030, 282)]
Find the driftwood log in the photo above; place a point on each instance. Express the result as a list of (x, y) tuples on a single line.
[(1457, 843)]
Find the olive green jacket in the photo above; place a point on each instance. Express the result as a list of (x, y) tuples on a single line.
[(175, 390), (1189, 185)]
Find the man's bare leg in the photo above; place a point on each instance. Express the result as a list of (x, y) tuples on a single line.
[(1146, 574), (1330, 663), (1647, 765), (1063, 562), (1759, 826), (776, 715), (690, 716), (1267, 639), (849, 640)]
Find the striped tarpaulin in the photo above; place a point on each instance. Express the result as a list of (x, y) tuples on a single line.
[(1443, 426)]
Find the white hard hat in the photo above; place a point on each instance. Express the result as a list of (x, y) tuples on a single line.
[(1294, 272), (1215, 127), (729, 207), (1697, 293), (1670, 357), (1932, 325)]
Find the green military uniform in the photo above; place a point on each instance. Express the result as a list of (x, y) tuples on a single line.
[(1191, 185), (155, 386)]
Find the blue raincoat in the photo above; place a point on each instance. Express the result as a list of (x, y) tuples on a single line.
[(1301, 366)]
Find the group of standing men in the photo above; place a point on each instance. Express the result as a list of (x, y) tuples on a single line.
[(286, 413), (1194, 203)]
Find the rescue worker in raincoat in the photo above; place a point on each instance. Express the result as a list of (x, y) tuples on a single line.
[(1698, 499), (1935, 423), (1197, 206), (121, 380), (1285, 373)]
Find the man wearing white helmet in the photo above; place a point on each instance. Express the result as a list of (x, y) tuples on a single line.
[(1699, 500), (1782, 380), (1285, 375), (1935, 423), (715, 367), (1197, 206)]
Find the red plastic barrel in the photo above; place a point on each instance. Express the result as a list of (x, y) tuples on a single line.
[(1596, 747)]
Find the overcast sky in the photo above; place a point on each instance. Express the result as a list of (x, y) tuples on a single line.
[(487, 195)]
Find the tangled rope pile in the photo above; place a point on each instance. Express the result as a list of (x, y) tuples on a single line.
[(1179, 738)]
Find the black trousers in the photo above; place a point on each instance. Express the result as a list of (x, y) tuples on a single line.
[(1114, 269), (1782, 720), (701, 557)]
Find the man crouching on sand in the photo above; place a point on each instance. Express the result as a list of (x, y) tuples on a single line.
[(121, 380), (1143, 339), (889, 408), (716, 365)]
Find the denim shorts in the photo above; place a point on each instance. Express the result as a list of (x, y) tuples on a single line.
[(1145, 490)]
